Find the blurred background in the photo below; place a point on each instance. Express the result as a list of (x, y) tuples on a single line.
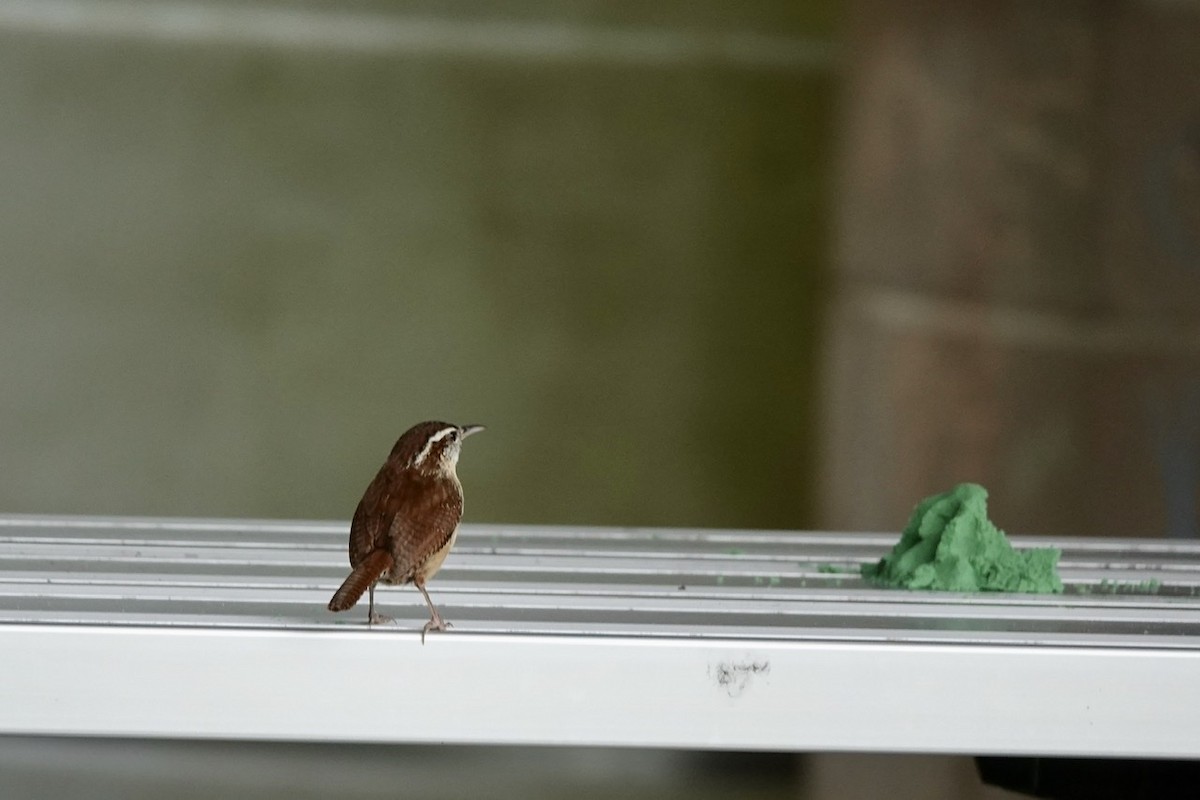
[(755, 265)]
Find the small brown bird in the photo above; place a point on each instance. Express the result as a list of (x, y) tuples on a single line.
[(407, 520)]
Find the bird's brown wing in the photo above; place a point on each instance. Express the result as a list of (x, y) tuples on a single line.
[(373, 517), (426, 521)]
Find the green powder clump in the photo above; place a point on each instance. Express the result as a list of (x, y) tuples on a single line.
[(950, 545)]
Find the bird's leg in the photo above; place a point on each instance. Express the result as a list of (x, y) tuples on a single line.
[(372, 617), (436, 623)]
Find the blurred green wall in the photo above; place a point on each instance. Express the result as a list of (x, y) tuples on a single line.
[(243, 247)]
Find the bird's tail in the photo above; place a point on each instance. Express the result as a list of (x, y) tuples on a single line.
[(365, 574)]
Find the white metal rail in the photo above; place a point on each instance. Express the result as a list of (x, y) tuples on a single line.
[(597, 636)]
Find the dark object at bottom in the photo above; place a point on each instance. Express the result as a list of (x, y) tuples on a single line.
[(1092, 778)]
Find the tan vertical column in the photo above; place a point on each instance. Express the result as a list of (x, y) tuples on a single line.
[(1016, 298)]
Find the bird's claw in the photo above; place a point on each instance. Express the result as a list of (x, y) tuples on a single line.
[(435, 624)]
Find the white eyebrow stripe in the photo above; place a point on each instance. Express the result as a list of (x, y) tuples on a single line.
[(437, 437)]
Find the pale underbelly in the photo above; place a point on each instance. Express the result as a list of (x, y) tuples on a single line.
[(434, 562)]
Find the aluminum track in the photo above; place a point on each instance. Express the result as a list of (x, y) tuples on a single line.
[(605, 636)]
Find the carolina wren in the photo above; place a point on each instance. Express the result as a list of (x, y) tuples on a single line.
[(407, 520)]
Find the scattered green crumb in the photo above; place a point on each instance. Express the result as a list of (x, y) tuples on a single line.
[(950, 545), (735, 551), (774, 580), (835, 569), (720, 580), (1107, 586), (759, 580)]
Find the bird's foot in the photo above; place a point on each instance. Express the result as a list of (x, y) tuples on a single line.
[(436, 623), (378, 619)]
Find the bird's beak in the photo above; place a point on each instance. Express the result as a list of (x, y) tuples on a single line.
[(467, 430)]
